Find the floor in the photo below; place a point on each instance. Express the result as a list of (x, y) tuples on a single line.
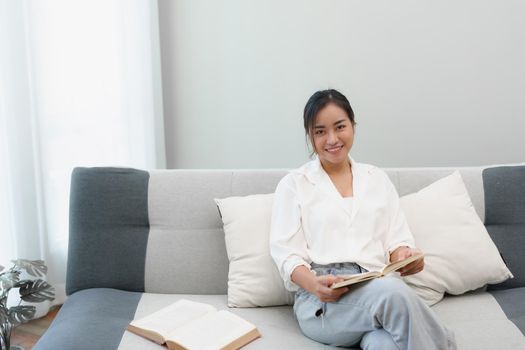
[(27, 334)]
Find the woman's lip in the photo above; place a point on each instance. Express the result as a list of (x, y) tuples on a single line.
[(333, 149)]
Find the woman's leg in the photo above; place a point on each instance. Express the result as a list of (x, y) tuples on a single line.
[(378, 340), (313, 323), (386, 303), (390, 304)]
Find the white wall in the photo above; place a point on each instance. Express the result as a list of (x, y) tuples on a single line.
[(438, 83)]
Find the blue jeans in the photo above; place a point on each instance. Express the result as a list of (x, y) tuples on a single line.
[(383, 313)]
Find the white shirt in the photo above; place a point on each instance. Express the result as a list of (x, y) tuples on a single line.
[(312, 223), (349, 203)]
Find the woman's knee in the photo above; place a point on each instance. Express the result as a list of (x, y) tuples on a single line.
[(392, 286), (378, 340), (393, 291)]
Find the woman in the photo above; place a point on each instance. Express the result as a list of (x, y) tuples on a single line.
[(334, 216)]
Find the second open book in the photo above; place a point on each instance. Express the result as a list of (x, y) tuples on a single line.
[(365, 276), (190, 325)]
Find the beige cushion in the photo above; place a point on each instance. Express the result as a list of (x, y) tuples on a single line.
[(459, 253), (253, 278)]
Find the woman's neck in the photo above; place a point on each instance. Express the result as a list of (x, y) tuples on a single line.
[(336, 169)]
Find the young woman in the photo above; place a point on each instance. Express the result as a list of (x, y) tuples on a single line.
[(334, 216)]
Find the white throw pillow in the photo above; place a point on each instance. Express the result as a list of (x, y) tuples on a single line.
[(459, 253), (253, 278)]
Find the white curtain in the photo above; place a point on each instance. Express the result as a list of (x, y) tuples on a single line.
[(79, 86)]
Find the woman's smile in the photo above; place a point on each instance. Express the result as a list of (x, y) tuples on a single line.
[(334, 149)]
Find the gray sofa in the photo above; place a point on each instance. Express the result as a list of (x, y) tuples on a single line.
[(141, 240)]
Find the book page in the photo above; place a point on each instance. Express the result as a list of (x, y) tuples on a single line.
[(173, 316), (213, 331), (358, 277), (355, 275), (399, 264)]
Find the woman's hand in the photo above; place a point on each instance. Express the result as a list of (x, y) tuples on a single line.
[(321, 288), (402, 253), (318, 285)]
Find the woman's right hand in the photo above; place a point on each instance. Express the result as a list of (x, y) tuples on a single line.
[(321, 288), (318, 285)]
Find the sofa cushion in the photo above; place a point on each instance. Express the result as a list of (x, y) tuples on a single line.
[(108, 229), (479, 322), (186, 251), (97, 318), (505, 218), (512, 301), (460, 256), (277, 325), (253, 277), (91, 319)]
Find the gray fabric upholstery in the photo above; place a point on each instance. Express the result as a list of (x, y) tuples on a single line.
[(489, 329), (108, 229), (505, 195), (512, 301), (479, 322), (264, 181), (91, 319), (186, 261), (277, 325), (186, 250), (505, 218)]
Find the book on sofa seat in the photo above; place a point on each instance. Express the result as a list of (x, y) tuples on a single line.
[(190, 325), (366, 276)]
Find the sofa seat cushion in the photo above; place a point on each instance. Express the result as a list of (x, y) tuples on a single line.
[(97, 319), (481, 320), (512, 301), (277, 324), (91, 319)]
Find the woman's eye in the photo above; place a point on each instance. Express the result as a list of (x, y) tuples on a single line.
[(319, 132), (339, 127)]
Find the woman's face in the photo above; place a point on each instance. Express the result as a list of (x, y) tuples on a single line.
[(332, 134)]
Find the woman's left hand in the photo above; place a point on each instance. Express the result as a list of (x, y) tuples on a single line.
[(402, 253)]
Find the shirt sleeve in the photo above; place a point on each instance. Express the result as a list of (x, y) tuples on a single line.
[(399, 233), (287, 242)]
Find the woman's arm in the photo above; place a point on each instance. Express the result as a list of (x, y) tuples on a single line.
[(318, 285), (287, 242)]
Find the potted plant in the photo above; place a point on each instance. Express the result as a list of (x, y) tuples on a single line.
[(33, 291)]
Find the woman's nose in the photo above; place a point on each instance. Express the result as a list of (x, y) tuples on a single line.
[(332, 138)]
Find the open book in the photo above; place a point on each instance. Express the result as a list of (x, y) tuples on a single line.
[(365, 276), (190, 325)]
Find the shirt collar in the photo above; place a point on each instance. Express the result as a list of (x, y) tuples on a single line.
[(315, 172)]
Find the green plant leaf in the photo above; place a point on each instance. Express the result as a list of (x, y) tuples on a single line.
[(35, 291), (35, 268), (21, 314), (8, 279), (3, 315)]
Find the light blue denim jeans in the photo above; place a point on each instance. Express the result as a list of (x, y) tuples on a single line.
[(383, 313)]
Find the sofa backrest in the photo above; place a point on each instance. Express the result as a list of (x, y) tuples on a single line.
[(160, 231)]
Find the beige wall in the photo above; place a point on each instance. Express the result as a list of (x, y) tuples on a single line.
[(432, 83)]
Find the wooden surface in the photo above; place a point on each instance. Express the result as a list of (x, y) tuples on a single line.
[(26, 335)]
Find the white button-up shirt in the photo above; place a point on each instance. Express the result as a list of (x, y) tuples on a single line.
[(312, 223)]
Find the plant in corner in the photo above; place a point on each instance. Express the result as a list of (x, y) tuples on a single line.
[(33, 291)]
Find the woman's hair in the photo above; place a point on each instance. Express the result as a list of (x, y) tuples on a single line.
[(318, 101)]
